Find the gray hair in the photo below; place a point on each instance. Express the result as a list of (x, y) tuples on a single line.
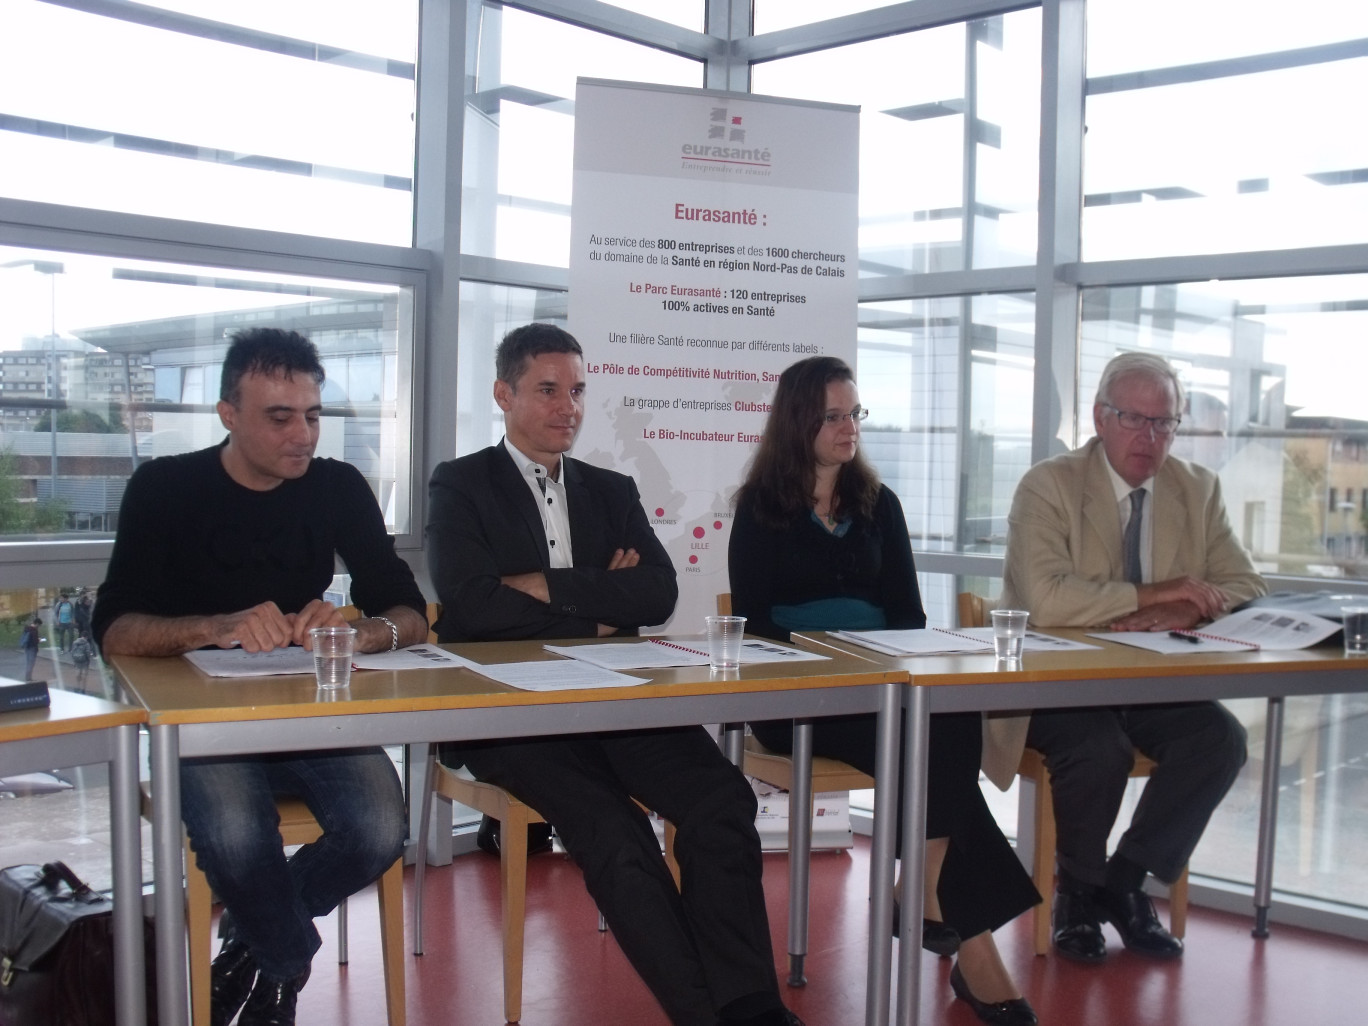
[(1151, 365)]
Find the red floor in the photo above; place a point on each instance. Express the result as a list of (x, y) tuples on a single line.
[(576, 976)]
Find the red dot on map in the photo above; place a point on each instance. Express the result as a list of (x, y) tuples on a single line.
[(698, 532), (693, 559), (717, 525), (659, 512)]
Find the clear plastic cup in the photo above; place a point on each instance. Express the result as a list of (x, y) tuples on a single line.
[(1009, 633), (1355, 630), (332, 649), (724, 641)]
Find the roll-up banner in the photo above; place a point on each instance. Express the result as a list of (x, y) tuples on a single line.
[(713, 243)]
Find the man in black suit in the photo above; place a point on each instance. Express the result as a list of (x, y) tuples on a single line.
[(525, 542)]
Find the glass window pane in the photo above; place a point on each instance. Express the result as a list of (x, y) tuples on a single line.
[(946, 112), (1125, 36), (519, 127), (688, 13), (488, 313), (772, 15), (1249, 162), (1270, 406), (944, 397), (128, 355), (245, 128)]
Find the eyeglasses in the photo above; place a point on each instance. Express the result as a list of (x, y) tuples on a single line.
[(1138, 421), (855, 416)]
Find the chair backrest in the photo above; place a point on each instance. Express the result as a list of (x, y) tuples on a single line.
[(973, 610), (724, 603)]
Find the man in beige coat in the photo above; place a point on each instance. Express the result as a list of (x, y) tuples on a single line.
[(1117, 534)]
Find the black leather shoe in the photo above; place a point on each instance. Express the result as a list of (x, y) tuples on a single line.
[(231, 976), (272, 1003), (937, 938), (1016, 1012), (1132, 913), (1077, 927), (487, 838)]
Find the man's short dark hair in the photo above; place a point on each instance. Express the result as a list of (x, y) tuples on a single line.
[(527, 343), (267, 351)]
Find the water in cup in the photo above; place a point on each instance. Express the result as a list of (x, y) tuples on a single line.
[(1009, 633), (1355, 630), (332, 649), (332, 671)]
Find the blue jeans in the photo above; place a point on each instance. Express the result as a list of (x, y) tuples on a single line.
[(228, 806)]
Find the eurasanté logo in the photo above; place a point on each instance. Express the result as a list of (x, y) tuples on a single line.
[(726, 142)]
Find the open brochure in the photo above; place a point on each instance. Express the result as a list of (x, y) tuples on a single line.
[(1245, 631), (951, 641), (655, 653), (234, 662)]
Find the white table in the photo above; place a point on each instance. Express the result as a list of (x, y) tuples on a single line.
[(74, 731)]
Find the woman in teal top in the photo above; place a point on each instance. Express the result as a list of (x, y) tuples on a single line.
[(818, 543)]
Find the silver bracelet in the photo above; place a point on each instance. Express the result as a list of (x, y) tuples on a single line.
[(394, 631)]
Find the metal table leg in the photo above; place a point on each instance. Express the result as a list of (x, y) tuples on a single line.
[(1268, 817), (173, 987), (913, 857)]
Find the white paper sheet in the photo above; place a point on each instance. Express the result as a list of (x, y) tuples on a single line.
[(1244, 631), (952, 641), (235, 663), (554, 675), (656, 653)]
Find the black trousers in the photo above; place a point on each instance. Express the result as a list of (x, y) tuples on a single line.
[(982, 883), (1199, 748), (700, 947)]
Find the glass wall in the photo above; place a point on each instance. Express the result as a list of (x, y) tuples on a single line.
[(108, 362), (291, 117), (949, 139), (519, 126)]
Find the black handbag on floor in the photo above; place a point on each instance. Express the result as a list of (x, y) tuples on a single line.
[(56, 950)]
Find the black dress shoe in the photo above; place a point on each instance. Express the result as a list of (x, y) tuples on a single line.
[(1132, 913), (272, 1003), (1016, 1012), (937, 937), (487, 838), (1077, 927), (231, 976)]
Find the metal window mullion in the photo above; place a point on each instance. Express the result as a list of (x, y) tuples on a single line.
[(1063, 76)]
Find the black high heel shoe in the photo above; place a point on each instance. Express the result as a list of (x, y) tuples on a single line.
[(1016, 1012), (936, 937)]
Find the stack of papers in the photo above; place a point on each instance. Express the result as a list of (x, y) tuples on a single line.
[(1246, 631), (947, 641)]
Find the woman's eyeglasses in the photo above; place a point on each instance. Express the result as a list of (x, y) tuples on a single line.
[(855, 416)]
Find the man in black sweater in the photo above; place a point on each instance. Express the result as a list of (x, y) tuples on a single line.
[(234, 545)]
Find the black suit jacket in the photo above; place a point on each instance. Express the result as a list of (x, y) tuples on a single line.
[(484, 524)]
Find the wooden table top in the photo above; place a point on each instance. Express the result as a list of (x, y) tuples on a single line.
[(176, 692), (70, 713)]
